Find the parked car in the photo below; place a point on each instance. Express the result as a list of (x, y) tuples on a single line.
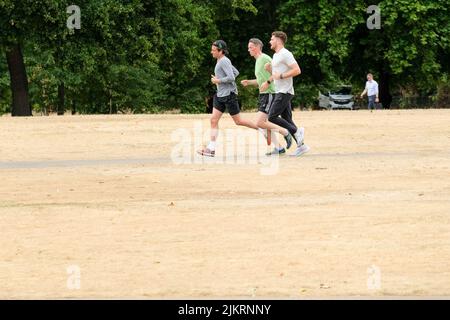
[(340, 98)]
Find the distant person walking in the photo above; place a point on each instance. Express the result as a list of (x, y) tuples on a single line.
[(372, 92)]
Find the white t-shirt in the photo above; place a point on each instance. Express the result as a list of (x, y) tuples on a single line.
[(372, 88), (280, 64)]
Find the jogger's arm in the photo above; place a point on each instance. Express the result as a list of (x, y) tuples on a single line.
[(252, 82), (227, 68)]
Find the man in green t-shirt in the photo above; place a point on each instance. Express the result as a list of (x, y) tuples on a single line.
[(265, 98)]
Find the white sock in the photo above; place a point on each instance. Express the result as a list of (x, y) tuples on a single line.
[(212, 145)]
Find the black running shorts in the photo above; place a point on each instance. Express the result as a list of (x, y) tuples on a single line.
[(229, 102), (265, 102)]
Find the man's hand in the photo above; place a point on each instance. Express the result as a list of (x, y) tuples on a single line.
[(264, 87), (363, 93), (245, 83), (276, 76), (268, 67), (377, 100), (214, 79)]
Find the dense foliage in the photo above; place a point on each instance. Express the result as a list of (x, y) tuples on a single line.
[(154, 55)]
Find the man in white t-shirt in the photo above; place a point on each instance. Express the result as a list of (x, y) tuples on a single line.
[(284, 68), (372, 91)]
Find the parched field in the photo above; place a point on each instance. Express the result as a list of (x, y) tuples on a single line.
[(97, 207)]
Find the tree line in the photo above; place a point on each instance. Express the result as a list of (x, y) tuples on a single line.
[(154, 55)]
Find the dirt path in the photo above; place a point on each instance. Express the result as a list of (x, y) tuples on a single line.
[(366, 212)]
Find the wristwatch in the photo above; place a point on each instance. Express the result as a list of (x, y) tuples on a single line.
[(269, 82), (281, 76)]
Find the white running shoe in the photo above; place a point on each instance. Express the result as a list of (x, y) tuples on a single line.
[(300, 150), (300, 136)]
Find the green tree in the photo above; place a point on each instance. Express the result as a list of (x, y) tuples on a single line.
[(186, 29), (334, 44)]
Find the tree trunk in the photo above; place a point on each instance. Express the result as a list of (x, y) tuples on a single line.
[(19, 83), (74, 107), (61, 96), (110, 101), (385, 91)]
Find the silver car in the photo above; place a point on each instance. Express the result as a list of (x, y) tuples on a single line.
[(341, 98)]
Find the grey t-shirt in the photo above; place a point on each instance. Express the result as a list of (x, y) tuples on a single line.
[(227, 74)]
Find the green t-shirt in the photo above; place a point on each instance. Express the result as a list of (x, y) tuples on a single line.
[(262, 75)]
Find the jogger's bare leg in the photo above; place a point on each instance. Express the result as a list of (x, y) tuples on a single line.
[(216, 115), (260, 122), (266, 124), (238, 120)]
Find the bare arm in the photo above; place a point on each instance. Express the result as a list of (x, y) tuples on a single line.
[(252, 82)]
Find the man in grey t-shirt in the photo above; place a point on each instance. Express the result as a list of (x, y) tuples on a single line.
[(226, 97)]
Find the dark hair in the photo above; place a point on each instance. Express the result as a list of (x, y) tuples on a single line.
[(221, 45), (281, 35), (256, 42)]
